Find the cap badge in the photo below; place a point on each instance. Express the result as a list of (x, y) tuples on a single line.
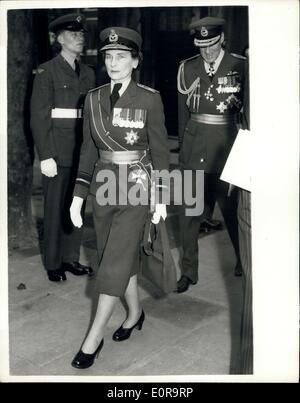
[(204, 31), (113, 36), (78, 19)]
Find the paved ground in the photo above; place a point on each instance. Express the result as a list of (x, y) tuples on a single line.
[(194, 333)]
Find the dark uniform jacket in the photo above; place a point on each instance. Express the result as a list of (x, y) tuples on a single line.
[(140, 127), (56, 85), (206, 146), (246, 104)]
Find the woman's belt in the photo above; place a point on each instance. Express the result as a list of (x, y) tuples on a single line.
[(122, 157), (210, 119)]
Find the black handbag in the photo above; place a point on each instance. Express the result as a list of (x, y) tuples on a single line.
[(157, 261)]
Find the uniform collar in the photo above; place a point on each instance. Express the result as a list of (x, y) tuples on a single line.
[(124, 86), (216, 62), (123, 102), (68, 58)]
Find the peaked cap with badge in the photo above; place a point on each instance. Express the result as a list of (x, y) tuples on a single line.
[(68, 22), (207, 31), (120, 38)]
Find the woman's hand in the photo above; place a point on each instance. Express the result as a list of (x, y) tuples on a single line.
[(75, 211), (160, 212)]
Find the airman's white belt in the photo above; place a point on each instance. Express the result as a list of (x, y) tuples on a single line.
[(66, 113), (210, 119)]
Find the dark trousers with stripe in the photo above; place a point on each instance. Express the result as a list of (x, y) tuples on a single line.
[(214, 190), (244, 221), (61, 239)]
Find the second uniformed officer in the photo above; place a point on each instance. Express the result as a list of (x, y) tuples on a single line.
[(58, 94), (210, 89)]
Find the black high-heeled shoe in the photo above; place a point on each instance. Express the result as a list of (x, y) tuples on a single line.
[(83, 360), (124, 333)]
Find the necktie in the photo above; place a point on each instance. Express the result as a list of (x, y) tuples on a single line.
[(77, 68), (115, 95), (211, 70)]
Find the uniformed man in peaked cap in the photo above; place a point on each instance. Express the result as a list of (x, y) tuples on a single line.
[(210, 87), (58, 94), (208, 34)]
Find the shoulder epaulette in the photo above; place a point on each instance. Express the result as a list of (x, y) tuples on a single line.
[(190, 58), (238, 56), (98, 88), (147, 88), (38, 71)]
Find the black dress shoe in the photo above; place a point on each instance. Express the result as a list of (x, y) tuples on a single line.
[(210, 225), (238, 271), (83, 360), (124, 333), (76, 268), (184, 283), (56, 275)]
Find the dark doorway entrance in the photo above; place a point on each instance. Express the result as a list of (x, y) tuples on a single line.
[(173, 47)]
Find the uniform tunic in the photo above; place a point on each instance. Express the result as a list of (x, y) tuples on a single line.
[(136, 123), (56, 85), (205, 145)]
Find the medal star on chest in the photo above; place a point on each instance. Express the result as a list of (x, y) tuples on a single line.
[(221, 107), (131, 137)]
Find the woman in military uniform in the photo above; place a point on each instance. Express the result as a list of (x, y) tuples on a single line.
[(124, 131)]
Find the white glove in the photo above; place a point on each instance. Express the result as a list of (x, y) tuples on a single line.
[(49, 167), (75, 211), (160, 211)]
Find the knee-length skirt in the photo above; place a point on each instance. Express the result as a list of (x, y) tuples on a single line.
[(119, 231)]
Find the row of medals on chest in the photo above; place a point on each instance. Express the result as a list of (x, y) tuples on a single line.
[(225, 85), (129, 118)]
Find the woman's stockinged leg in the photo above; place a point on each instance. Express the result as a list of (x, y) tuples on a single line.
[(133, 302), (106, 304)]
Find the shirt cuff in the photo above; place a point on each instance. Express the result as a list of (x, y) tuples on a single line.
[(81, 191), (82, 185)]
